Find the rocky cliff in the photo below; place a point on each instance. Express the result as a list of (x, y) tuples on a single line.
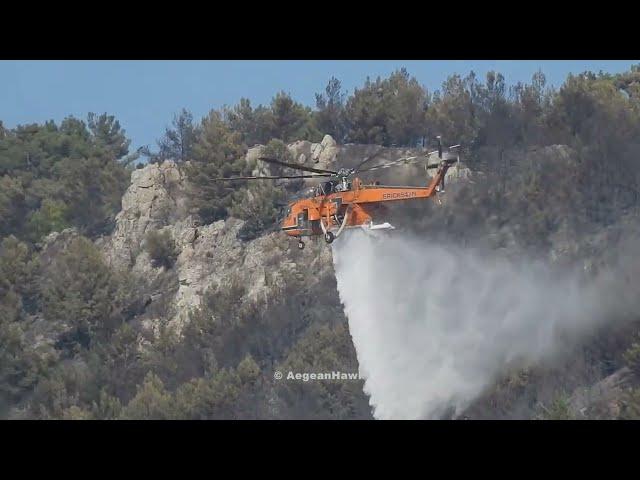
[(210, 256)]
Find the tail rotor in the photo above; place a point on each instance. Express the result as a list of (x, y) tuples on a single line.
[(446, 160)]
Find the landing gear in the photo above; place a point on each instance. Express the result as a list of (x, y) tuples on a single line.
[(300, 244), (328, 236)]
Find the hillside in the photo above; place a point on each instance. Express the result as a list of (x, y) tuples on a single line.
[(226, 313)]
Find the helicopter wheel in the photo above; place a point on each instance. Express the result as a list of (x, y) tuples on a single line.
[(301, 245), (329, 237)]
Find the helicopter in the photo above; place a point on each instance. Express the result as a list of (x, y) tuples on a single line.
[(344, 201)]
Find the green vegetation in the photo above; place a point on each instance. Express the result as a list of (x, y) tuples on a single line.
[(260, 203), (78, 289), (630, 408), (178, 142), (559, 409), (218, 153), (632, 356), (161, 248), (55, 176)]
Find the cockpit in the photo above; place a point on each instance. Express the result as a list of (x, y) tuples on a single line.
[(285, 215), (332, 186)]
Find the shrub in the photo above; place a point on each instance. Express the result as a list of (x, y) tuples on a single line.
[(632, 356), (630, 405), (559, 409), (79, 289), (51, 217), (152, 401), (161, 248), (259, 206)]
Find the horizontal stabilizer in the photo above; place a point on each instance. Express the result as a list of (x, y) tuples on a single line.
[(381, 226)]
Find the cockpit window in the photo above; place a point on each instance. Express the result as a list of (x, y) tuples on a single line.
[(288, 211)]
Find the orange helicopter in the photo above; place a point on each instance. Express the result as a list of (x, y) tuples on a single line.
[(346, 202)]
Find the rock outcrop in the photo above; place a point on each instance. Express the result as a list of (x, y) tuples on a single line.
[(605, 399), (319, 155), (155, 198), (209, 256)]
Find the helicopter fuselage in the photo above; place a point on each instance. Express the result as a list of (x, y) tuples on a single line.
[(341, 203), (354, 207)]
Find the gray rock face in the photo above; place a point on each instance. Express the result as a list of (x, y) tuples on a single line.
[(604, 399), (210, 256), (321, 155), (55, 243), (155, 198), (213, 257), (325, 153)]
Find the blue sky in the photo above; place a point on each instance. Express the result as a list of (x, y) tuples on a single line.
[(144, 95)]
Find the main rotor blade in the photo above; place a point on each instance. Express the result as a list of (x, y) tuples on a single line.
[(296, 166), (395, 163), (400, 161), (371, 157), (273, 177)]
